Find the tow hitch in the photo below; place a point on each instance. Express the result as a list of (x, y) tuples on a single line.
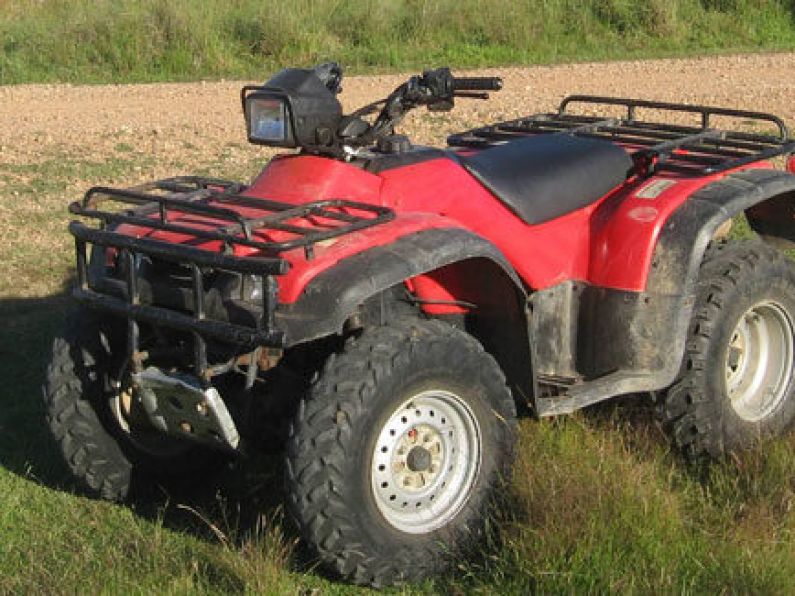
[(178, 405)]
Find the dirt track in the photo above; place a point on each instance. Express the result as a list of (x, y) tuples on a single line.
[(192, 122)]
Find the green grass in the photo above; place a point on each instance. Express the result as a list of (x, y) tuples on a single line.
[(604, 507), (154, 40)]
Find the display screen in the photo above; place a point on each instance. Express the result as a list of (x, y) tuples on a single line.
[(267, 118)]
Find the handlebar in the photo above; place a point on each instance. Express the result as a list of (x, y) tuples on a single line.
[(435, 89), (477, 84)]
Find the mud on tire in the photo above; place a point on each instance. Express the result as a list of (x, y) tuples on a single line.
[(737, 383), (390, 396)]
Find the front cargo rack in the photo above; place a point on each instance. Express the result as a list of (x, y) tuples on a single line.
[(686, 150), (222, 206), (212, 218)]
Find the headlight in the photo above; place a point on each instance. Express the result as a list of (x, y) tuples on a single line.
[(294, 108), (268, 119)]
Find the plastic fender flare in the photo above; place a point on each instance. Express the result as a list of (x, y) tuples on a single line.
[(681, 247), (641, 337), (336, 293)]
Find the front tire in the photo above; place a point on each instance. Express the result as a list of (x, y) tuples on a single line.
[(398, 452), (109, 456), (737, 383)]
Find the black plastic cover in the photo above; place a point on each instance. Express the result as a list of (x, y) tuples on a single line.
[(314, 108), (543, 177)]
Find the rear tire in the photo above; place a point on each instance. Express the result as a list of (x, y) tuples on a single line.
[(737, 383), (398, 452)]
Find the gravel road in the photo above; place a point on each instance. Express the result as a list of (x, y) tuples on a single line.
[(189, 123)]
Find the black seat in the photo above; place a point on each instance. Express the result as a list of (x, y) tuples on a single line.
[(543, 177)]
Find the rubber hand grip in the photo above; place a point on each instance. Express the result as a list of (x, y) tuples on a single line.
[(477, 84)]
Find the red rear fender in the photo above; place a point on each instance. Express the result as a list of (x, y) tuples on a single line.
[(624, 231)]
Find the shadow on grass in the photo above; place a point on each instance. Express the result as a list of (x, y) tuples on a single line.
[(25, 444), (230, 508), (634, 418)]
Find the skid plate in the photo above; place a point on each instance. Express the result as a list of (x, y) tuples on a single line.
[(178, 405)]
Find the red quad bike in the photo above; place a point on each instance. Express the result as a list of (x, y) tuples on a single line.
[(407, 299)]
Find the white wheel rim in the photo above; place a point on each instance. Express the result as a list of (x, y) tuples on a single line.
[(425, 462), (759, 361)]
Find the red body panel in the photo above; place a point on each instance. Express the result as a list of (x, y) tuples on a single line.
[(608, 243), (624, 231), (297, 179), (543, 255)]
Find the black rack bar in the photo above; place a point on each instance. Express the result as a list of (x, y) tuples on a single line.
[(178, 253), (754, 140), (199, 345), (762, 155), (130, 306), (270, 296), (164, 204), (706, 112), (157, 224), (715, 150), (214, 202), (235, 334), (681, 169), (257, 203), (687, 150), (188, 184), (82, 266), (133, 301), (670, 145)]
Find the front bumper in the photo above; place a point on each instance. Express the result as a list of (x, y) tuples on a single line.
[(128, 303)]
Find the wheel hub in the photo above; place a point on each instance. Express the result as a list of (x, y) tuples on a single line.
[(759, 361), (425, 462), (418, 460)]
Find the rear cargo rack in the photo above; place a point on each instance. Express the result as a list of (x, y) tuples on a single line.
[(685, 150), (211, 212)]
